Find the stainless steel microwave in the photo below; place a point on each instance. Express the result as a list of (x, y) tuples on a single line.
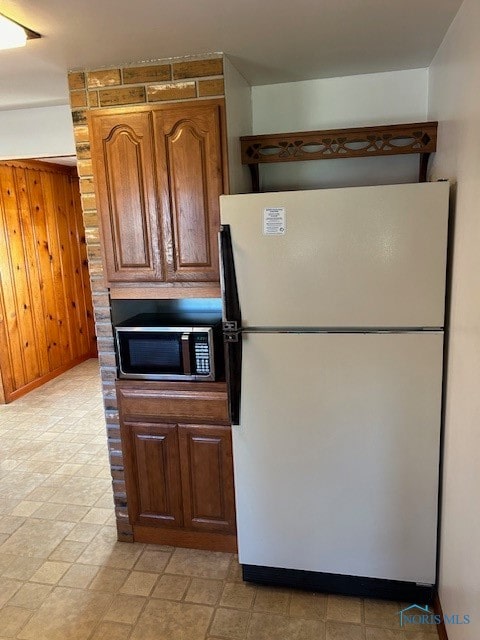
[(153, 346)]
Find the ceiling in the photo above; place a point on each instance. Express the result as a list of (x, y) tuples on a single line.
[(269, 41)]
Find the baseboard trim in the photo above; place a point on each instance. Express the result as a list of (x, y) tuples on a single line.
[(185, 538), (441, 628), (339, 584), (10, 396)]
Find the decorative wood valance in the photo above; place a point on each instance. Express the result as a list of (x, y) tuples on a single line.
[(359, 142)]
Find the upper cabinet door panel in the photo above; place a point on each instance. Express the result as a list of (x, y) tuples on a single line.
[(189, 142), (124, 167)]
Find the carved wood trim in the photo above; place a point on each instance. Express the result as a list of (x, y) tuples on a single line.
[(358, 142)]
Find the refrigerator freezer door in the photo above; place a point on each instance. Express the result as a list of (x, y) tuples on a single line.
[(336, 459), (357, 257)]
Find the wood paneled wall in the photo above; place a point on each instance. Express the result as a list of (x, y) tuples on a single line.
[(46, 318)]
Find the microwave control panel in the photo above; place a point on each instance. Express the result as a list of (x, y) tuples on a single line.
[(202, 354)]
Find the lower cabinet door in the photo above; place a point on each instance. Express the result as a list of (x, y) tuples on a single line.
[(207, 477), (152, 470)]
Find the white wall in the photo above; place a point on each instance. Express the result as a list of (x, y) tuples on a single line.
[(238, 95), (35, 133), (353, 101), (453, 99)]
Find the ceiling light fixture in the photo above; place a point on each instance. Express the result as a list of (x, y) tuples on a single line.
[(13, 34)]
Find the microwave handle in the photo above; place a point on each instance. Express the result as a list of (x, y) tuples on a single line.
[(187, 367)]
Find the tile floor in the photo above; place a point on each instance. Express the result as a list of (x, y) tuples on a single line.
[(63, 575)]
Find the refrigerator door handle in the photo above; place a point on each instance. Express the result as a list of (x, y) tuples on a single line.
[(232, 323), (233, 368), (232, 316)]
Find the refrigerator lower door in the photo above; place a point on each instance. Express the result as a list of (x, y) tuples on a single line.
[(337, 453)]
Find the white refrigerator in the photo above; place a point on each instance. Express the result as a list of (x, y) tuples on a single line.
[(333, 304)]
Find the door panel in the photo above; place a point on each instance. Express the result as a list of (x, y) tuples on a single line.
[(207, 477), (153, 474), (357, 257), (189, 144), (125, 178)]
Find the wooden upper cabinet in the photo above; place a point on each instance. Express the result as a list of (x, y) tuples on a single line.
[(191, 174), (124, 169), (159, 172)]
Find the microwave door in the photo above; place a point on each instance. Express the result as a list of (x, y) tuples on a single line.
[(154, 355)]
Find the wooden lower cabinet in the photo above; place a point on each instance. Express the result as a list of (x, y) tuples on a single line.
[(178, 475), (153, 473), (207, 477)]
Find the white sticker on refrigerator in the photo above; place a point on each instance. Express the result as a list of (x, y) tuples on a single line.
[(274, 221)]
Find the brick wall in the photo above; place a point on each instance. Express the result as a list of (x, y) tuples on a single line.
[(173, 80)]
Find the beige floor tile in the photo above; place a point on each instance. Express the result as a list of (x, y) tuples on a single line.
[(238, 595), (105, 501), (8, 588), (344, 631), (166, 620), (204, 591), (235, 571), (139, 583), (9, 524), (5, 561), (31, 595), (199, 564), (68, 551), (421, 635), (124, 609), (379, 633), (308, 605), (40, 494), (117, 555), (310, 630), (22, 568), (382, 613), (66, 613), (272, 600), (97, 515), (26, 508), (72, 513), (50, 572), (36, 538), (83, 532), (79, 576), (344, 609), (109, 534), (48, 511), (109, 580), (12, 620), (111, 631), (68, 469), (230, 623), (171, 587), (268, 626), (154, 561)]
